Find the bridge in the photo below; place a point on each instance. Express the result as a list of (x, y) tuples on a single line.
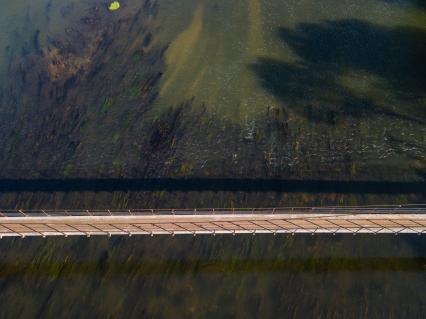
[(401, 219)]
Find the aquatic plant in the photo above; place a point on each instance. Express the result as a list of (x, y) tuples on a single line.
[(106, 106), (115, 5)]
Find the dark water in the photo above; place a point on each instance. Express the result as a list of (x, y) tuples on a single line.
[(212, 104), (215, 277)]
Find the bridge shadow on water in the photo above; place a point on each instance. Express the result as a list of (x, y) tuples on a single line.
[(211, 184)]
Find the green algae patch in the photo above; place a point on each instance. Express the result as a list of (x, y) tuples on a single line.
[(107, 105), (134, 91), (115, 5), (67, 170)]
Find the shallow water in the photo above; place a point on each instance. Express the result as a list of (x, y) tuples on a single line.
[(281, 102), (286, 89), (215, 277)]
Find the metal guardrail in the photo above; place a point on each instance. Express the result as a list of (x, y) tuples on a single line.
[(393, 219), (373, 209)]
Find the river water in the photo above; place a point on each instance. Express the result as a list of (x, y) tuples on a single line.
[(219, 104)]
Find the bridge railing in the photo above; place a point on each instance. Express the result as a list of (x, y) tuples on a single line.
[(374, 209)]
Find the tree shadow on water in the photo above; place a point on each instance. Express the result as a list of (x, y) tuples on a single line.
[(385, 60), (414, 3)]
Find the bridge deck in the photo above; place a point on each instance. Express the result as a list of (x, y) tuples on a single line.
[(372, 220)]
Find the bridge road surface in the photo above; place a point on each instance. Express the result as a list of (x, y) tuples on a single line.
[(331, 220)]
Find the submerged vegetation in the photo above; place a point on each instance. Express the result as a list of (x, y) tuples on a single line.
[(222, 276), (201, 95), (212, 103), (106, 106)]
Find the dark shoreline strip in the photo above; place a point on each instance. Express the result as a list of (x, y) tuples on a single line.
[(211, 184), (171, 267)]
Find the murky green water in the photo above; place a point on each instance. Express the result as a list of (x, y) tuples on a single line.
[(215, 277), (329, 93), (286, 89)]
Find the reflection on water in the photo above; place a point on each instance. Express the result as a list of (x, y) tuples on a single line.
[(281, 102)]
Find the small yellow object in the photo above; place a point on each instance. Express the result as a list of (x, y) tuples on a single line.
[(115, 5)]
